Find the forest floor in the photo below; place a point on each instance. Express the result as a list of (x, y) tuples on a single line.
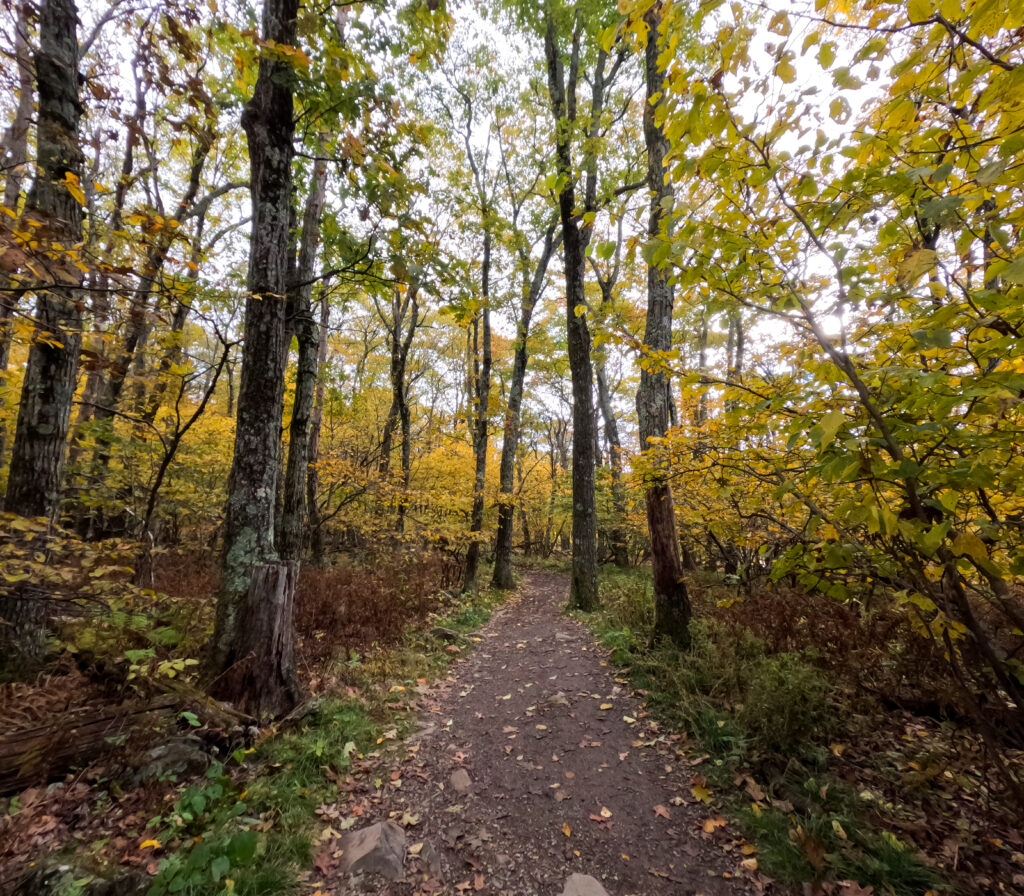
[(533, 761)]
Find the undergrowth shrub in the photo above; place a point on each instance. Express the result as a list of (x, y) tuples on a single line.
[(354, 604), (729, 688)]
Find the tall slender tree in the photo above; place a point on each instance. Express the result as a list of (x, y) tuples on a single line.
[(55, 201), (653, 399)]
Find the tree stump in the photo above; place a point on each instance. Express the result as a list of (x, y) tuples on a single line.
[(260, 678)]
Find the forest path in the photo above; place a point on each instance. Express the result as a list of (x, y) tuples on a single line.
[(565, 775)]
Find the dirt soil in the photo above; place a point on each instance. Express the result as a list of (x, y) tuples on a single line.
[(566, 774)]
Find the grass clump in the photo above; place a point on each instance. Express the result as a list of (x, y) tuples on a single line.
[(770, 714)]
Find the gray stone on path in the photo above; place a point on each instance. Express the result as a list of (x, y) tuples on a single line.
[(583, 885), (460, 780), (379, 849)]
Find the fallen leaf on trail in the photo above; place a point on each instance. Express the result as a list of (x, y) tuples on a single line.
[(409, 820), (748, 849), (606, 812), (629, 720), (567, 830), (662, 812), (415, 849), (622, 756), (570, 774), (701, 793), (712, 824), (837, 749), (465, 885), (460, 756), (147, 843), (657, 873), (749, 864), (396, 774), (478, 881), (542, 727), (561, 795), (606, 706)]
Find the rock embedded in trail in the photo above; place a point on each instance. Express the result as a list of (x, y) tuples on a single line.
[(460, 780), (583, 885), (378, 849)]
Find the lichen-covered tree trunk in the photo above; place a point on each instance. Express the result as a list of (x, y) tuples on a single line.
[(261, 679), (671, 601), (295, 509), (249, 521), (40, 439), (502, 576)]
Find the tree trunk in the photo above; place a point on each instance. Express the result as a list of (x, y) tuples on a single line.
[(316, 544), (583, 589), (671, 601), (295, 509), (15, 161), (249, 519), (40, 440), (502, 576), (616, 537), (258, 674), (482, 390)]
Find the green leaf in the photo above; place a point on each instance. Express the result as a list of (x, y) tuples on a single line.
[(830, 424), (219, 867), (241, 848)]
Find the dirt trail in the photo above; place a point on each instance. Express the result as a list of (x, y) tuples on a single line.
[(553, 745)]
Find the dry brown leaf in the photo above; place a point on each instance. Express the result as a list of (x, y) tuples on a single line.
[(662, 811)]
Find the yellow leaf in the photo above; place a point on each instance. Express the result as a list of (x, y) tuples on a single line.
[(566, 830), (701, 793), (74, 187), (967, 544), (148, 843), (786, 71)]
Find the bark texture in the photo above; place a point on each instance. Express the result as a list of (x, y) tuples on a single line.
[(259, 673), (14, 163), (671, 600), (40, 440), (294, 514), (249, 521)]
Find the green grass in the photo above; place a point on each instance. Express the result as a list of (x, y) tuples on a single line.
[(771, 715)]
